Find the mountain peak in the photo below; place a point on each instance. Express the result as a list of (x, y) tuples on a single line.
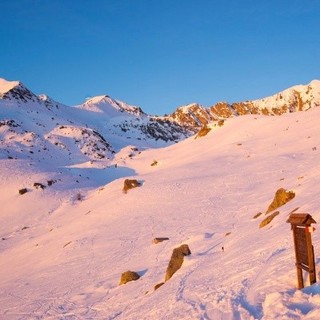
[(16, 91), (106, 104), (6, 85)]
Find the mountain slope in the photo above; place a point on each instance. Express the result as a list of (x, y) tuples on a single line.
[(62, 257)]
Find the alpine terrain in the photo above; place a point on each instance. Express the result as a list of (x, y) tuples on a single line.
[(221, 180)]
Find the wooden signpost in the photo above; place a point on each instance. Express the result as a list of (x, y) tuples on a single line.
[(302, 229)]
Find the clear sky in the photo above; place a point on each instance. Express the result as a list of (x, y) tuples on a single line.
[(160, 54)]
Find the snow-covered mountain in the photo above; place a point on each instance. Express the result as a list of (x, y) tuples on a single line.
[(68, 231), (96, 129), (108, 125)]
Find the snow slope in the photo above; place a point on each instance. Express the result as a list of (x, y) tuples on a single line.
[(64, 247)]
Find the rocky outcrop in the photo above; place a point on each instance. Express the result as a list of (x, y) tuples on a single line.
[(280, 198), (175, 262), (203, 131), (193, 116)]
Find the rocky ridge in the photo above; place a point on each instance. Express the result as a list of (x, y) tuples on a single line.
[(297, 98)]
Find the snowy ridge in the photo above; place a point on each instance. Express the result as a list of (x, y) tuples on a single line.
[(297, 98)]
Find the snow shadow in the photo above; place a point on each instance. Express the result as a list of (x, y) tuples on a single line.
[(95, 177), (303, 307), (203, 253), (241, 300), (142, 272)]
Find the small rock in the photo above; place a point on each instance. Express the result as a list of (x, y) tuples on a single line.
[(38, 185), (23, 191), (157, 286), (130, 184), (128, 276), (157, 240)]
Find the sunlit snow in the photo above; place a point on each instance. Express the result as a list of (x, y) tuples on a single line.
[(64, 247)]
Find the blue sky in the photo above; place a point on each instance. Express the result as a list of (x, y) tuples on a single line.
[(160, 54)]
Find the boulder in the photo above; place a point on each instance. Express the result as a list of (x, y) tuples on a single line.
[(281, 198), (130, 184), (176, 260), (128, 276), (23, 191)]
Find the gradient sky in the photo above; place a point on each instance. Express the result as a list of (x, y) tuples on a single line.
[(160, 54)]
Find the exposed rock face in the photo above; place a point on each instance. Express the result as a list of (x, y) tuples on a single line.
[(222, 110), (176, 260), (203, 131), (162, 129), (128, 276), (281, 198), (242, 108), (193, 116)]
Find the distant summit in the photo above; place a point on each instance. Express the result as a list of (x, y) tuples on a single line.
[(6, 86), (296, 98), (15, 90), (105, 104)]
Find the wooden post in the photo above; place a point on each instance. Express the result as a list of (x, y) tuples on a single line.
[(311, 262), (304, 252), (299, 269)]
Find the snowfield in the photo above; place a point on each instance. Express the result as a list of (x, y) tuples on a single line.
[(63, 248)]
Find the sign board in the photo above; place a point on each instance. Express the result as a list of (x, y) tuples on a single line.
[(300, 225), (301, 245)]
